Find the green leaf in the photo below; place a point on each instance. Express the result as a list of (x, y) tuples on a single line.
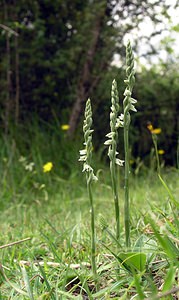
[(134, 260), (169, 280), (146, 244)]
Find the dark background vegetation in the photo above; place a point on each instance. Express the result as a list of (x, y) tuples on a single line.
[(56, 54)]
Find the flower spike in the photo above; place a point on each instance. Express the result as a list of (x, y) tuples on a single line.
[(86, 154), (115, 122), (128, 105)]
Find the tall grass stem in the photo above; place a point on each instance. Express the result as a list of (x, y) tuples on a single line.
[(154, 138)]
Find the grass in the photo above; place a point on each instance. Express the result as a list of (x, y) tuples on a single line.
[(52, 209), (59, 230)]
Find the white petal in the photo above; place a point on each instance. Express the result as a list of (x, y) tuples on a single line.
[(119, 162), (83, 152), (133, 100), (108, 142), (109, 135)]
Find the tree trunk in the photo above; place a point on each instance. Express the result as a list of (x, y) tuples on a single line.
[(17, 80), (85, 83), (8, 75)]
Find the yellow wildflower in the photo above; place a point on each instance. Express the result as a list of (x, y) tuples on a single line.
[(47, 167), (153, 130), (161, 151), (65, 127), (150, 127), (157, 131)]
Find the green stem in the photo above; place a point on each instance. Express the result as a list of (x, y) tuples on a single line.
[(93, 242), (116, 200), (126, 183), (154, 138)]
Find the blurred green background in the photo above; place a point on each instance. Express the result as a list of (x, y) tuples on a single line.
[(56, 54)]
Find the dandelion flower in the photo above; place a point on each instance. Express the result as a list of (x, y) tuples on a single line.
[(156, 130), (161, 151), (47, 167), (65, 127), (150, 127)]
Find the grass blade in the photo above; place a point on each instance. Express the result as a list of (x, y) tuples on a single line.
[(172, 198), (27, 283), (169, 248), (170, 279)]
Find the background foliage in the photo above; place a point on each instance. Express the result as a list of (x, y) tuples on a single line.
[(56, 54)]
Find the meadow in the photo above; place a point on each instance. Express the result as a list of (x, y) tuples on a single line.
[(55, 263), (69, 231)]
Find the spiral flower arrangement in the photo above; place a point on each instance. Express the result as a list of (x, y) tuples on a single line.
[(128, 104), (115, 122), (86, 156)]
